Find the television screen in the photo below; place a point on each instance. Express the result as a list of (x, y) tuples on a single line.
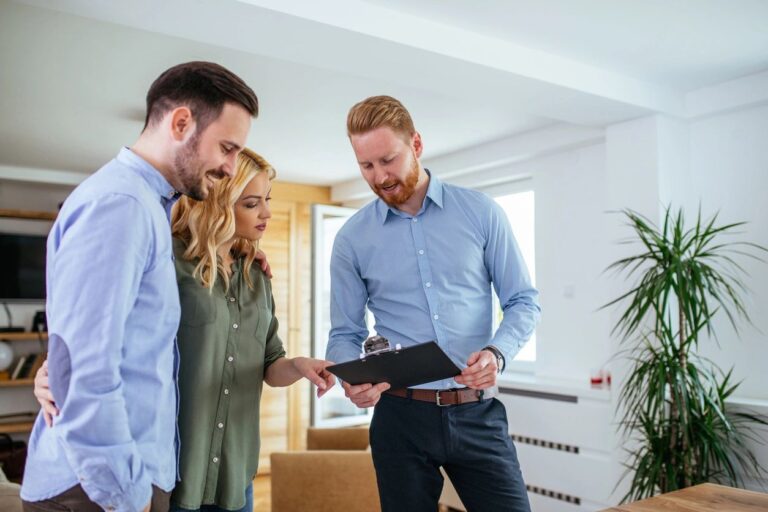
[(22, 267)]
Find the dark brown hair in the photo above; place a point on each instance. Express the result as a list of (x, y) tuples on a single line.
[(204, 87)]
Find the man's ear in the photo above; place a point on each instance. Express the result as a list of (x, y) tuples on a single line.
[(416, 144), (182, 123)]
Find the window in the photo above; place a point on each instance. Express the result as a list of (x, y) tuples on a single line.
[(334, 410), (517, 201)]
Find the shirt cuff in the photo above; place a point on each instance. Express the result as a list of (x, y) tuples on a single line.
[(107, 493)]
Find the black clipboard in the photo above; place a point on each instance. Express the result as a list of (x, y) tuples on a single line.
[(410, 366)]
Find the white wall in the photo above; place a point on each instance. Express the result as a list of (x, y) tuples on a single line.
[(720, 162), (729, 166), (32, 196), (571, 252)]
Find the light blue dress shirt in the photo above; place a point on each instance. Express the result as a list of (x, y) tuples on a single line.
[(428, 277), (113, 312)]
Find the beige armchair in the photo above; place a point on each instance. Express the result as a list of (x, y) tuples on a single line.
[(335, 473), (9, 495)]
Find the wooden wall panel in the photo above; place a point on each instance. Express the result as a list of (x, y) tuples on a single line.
[(274, 407), (287, 243)]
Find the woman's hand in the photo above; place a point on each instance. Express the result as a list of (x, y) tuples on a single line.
[(44, 395), (314, 370)]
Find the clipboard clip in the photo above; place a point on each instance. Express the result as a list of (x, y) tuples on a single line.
[(377, 345)]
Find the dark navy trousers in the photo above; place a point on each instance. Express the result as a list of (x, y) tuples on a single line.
[(411, 440)]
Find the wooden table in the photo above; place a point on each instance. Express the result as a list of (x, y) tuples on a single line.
[(700, 498)]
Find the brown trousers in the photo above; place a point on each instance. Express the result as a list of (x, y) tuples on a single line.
[(75, 500)]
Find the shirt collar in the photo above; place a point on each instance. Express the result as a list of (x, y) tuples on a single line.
[(152, 176), (435, 189), (434, 194)]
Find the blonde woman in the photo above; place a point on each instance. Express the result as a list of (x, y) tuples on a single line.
[(227, 340)]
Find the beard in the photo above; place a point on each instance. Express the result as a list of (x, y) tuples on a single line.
[(188, 169), (407, 187)]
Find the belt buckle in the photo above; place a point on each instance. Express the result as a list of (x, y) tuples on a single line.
[(437, 400)]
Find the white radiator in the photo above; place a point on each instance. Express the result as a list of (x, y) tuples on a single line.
[(566, 445)]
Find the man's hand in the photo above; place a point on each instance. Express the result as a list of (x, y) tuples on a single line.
[(314, 370), (44, 395), (261, 257), (480, 372), (365, 395), (148, 507)]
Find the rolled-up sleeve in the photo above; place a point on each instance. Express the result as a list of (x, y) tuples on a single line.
[(274, 347), (95, 271)]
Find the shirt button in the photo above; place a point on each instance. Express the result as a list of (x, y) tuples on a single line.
[(221, 425), (421, 251), (231, 299), (234, 326), (429, 285), (415, 220), (436, 317), (226, 391), (230, 359), (215, 459)]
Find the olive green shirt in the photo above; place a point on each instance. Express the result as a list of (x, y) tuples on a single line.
[(227, 339)]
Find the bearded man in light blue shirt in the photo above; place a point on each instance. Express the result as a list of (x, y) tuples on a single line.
[(423, 258), (113, 304)]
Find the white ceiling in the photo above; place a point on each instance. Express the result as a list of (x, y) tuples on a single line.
[(75, 72), (684, 44)]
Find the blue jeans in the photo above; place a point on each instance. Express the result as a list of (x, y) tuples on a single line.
[(411, 440), (248, 507)]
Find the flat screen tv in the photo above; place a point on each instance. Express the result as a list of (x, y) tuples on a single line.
[(22, 267)]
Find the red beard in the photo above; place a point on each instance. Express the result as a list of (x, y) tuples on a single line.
[(405, 191)]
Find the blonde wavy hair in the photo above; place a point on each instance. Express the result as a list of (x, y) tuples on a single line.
[(206, 225)]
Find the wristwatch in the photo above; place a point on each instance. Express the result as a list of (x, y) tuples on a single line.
[(501, 363)]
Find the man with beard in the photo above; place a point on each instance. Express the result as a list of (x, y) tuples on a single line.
[(113, 304), (422, 257)]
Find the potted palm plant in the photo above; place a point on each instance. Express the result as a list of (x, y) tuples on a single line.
[(673, 403)]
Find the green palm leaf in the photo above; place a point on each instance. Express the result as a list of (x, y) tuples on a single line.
[(673, 403)]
